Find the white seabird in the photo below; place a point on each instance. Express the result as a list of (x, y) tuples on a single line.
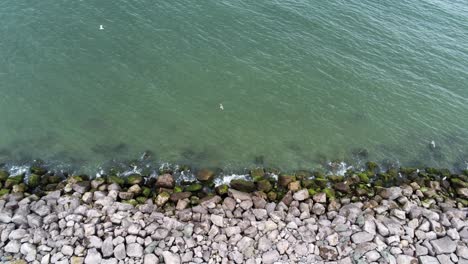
[(101, 27), (433, 144), (221, 106)]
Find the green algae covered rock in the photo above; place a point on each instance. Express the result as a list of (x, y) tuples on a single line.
[(131, 201), (178, 189), (146, 192), (272, 196), (34, 180), (4, 175), (141, 199), (330, 193), (264, 186), (13, 180), (363, 177), (75, 179), (372, 166), (116, 179), (257, 173), (222, 190), (134, 179), (242, 185), (36, 169), (162, 199), (195, 187), (4, 192)]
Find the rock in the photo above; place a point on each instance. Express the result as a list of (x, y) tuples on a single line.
[(320, 197), (134, 250), (301, 195), (81, 187), (162, 199), (150, 259), (94, 242), (67, 250), (264, 244), (107, 248), (205, 175), (120, 252), (270, 257), (217, 220), (170, 258), (404, 259), (328, 253), (232, 230), (93, 256), (318, 209), (76, 260), (444, 245), (362, 237), (165, 181), (180, 196), (282, 246), (13, 246), (284, 180), (428, 260), (5, 217), (242, 185), (372, 256), (391, 193)]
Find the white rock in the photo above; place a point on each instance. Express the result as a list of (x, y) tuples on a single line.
[(217, 220), (93, 256), (134, 250), (170, 258), (150, 259), (13, 246), (107, 248), (67, 250), (270, 257), (301, 195), (120, 252)]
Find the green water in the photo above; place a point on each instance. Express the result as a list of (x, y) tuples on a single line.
[(301, 82)]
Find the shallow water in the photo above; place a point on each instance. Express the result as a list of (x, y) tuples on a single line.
[(301, 82)]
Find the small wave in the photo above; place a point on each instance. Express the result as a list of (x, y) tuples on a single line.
[(226, 179)]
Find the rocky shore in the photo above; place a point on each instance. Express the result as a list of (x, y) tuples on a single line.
[(398, 216)]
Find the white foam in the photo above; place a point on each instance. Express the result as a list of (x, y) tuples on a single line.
[(18, 170), (341, 170), (135, 170), (226, 179)]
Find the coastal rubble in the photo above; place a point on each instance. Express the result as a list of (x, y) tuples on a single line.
[(93, 222)]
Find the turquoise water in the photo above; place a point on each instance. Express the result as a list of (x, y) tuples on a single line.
[(301, 82)]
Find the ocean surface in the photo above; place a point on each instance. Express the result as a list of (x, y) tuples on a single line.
[(301, 83)]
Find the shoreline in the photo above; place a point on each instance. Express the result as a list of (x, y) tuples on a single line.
[(399, 216)]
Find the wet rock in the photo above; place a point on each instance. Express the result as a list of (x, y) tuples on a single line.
[(205, 175), (242, 185), (165, 181)]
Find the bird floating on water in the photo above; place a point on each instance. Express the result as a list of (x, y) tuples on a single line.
[(433, 144), (221, 106), (101, 27)]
